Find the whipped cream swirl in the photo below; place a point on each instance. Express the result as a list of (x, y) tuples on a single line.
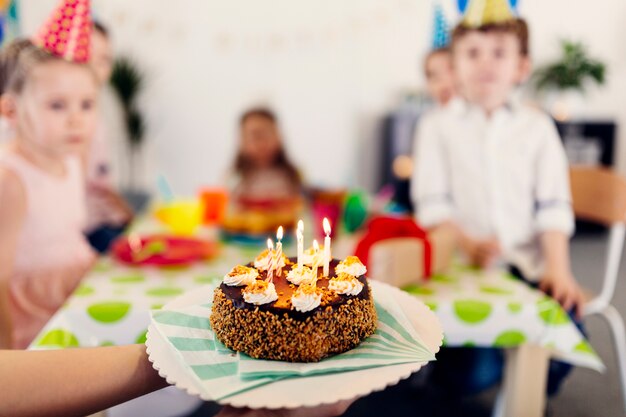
[(301, 275), (241, 275), (351, 266), (345, 284), (260, 292), (309, 257), (262, 262), (306, 298)]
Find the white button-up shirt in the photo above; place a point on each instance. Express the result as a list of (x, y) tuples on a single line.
[(504, 176)]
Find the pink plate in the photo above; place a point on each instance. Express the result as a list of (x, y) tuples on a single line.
[(161, 250)]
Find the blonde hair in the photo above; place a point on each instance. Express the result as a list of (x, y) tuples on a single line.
[(17, 61)]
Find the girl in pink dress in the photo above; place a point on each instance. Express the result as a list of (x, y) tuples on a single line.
[(50, 103)]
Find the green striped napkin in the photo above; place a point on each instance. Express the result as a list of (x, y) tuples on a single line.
[(394, 342), (222, 373)]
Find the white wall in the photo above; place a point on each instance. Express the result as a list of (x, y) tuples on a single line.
[(330, 67)]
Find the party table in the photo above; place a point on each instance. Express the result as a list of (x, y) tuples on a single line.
[(492, 308), (476, 308)]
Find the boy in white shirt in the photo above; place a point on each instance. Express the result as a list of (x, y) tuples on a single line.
[(493, 170)]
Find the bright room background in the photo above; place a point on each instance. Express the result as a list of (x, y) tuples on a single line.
[(331, 68)]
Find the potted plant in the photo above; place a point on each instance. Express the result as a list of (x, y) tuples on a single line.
[(564, 82), (128, 81)]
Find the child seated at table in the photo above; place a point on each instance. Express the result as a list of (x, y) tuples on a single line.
[(108, 214), (439, 75), (265, 187), (262, 169), (51, 103), (494, 170)]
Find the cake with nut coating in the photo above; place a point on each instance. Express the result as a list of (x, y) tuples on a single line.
[(293, 313)]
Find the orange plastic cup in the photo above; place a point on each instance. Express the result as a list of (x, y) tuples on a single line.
[(214, 201)]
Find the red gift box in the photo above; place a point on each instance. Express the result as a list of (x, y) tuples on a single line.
[(386, 228)]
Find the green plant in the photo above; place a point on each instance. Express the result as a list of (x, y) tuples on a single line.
[(128, 81), (571, 72)]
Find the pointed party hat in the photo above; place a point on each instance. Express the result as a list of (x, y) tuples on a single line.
[(441, 31), (485, 12), (67, 32)]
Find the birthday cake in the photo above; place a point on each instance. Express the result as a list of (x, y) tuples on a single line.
[(276, 308)]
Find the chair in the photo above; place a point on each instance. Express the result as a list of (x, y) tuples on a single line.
[(599, 195)]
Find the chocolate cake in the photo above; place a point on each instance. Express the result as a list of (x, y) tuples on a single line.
[(277, 319)]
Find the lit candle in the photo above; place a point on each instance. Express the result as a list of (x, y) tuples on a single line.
[(279, 250), (270, 260), (316, 256), (327, 230), (300, 240)]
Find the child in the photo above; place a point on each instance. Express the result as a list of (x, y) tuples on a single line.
[(107, 212), (51, 103), (439, 75), (494, 170), (262, 169), (440, 86)]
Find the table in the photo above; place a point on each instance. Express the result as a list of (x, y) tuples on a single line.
[(494, 309), (476, 309)]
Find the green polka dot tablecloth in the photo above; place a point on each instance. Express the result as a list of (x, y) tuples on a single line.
[(112, 307), (494, 309), (113, 303)]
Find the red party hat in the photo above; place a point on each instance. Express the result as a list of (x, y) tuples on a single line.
[(67, 32)]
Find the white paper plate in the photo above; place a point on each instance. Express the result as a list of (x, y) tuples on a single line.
[(300, 392)]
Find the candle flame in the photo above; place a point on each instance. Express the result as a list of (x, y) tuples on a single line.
[(326, 224), (279, 233), (300, 226), (316, 246), (270, 245)]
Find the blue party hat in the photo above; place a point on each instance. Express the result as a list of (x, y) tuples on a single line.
[(441, 31)]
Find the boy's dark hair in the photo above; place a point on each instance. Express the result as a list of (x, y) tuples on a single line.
[(517, 27), (244, 166), (100, 27)]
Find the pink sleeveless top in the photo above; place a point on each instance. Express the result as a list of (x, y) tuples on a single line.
[(52, 254)]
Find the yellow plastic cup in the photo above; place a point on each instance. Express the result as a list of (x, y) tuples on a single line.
[(181, 217)]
